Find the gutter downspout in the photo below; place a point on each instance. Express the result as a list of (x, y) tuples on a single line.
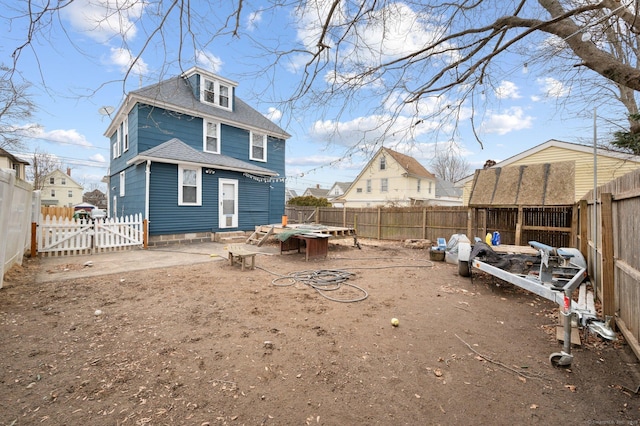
[(146, 189)]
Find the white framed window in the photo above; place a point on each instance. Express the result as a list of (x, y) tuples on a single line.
[(189, 186), (368, 186), (359, 190), (419, 184), (211, 140), (63, 181), (383, 163), (122, 183), (258, 148), (117, 144), (125, 134), (52, 181), (384, 185), (70, 194), (430, 183), (216, 93), (53, 192)]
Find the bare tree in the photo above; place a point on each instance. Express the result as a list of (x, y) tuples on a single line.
[(430, 60), (449, 165), (15, 108), (42, 164)]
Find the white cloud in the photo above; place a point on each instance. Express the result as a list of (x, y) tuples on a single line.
[(507, 90), (273, 114), (103, 19), (513, 119), (553, 88), (99, 158), (60, 136), (253, 20), (125, 60), (209, 61)]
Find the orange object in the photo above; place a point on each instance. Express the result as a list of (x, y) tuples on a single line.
[(284, 221)]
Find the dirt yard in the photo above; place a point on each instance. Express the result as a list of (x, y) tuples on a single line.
[(207, 344)]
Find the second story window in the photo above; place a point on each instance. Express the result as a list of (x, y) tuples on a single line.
[(53, 192), (216, 93), (211, 137), (63, 181), (125, 134), (258, 148), (52, 181), (419, 183), (70, 194), (384, 185)]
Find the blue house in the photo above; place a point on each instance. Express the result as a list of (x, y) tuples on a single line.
[(193, 158)]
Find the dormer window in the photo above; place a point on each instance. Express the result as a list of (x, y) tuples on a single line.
[(216, 93)]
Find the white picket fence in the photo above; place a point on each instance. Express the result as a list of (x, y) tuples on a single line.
[(64, 236)]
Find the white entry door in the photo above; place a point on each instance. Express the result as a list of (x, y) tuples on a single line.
[(228, 199)]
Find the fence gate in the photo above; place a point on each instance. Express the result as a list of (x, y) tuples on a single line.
[(64, 236)]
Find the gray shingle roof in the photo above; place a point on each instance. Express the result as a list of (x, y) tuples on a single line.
[(177, 93), (176, 151)]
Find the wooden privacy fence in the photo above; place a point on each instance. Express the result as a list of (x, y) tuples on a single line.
[(57, 211), (609, 238), (549, 225), (64, 236)]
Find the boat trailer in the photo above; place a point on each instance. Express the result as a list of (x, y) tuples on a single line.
[(554, 273)]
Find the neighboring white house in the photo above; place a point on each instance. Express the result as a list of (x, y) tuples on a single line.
[(394, 179), (9, 161), (59, 189)]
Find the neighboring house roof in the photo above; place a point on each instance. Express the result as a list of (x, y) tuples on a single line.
[(410, 164), (342, 185), (317, 192), (11, 157), (46, 183), (177, 152), (447, 189), (175, 94)]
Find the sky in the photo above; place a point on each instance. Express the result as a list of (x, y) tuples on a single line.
[(77, 63)]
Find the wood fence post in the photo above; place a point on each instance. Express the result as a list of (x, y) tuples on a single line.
[(34, 239), (607, 273), (145, 233), (424, 223), (584, 226), (344, 216), (379, 222), (519, 225), (470, 215)]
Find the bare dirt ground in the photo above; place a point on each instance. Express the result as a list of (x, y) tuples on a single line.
[(207, 344)]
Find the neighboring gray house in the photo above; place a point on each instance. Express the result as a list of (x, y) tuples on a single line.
[(316, 192)]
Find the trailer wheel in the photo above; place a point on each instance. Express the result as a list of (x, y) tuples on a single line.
[(463, 268), (561, 359)]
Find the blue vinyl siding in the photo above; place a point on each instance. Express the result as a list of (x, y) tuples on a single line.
[(133, 200), (160, 125), (167, 217)]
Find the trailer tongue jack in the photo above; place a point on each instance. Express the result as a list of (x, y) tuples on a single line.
[(553, 274)]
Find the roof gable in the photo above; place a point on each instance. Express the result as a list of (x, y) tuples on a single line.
[(409, 164)]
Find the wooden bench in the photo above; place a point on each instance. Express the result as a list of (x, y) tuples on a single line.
[(240, 254)]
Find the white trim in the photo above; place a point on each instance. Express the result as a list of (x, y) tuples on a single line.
[(122, 183), (142, 158), (218, 85), (205, 134), (264, 146), (221, 217), (125, 134), (198, 170)]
